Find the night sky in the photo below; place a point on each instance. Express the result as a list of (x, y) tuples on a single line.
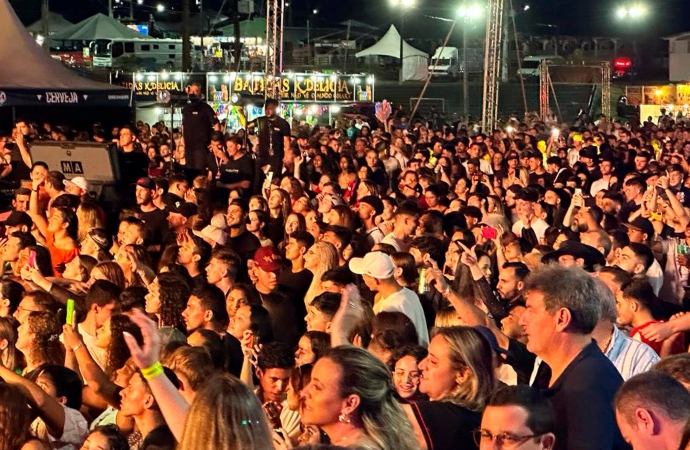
[(572, 17)]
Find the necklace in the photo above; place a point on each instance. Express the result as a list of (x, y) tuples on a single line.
[(608, 342)]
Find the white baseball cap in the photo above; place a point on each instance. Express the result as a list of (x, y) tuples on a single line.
[(374, 264), (79, 182)]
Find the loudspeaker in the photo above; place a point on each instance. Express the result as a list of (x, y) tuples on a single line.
[(98, 163)]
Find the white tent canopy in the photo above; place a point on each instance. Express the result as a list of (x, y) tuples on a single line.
[(415, 62), (56, 23)]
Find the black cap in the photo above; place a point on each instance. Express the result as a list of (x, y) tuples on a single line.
[(374, 202), (589, 152), (101, 237), (184, 208), (643, 225), (17, 218), (146, 183)]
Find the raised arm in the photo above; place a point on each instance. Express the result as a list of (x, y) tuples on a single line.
[(52, 412), (173, 406)]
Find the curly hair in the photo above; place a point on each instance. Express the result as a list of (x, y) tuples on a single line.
[(118, 352), (174, 293), (45, 345)]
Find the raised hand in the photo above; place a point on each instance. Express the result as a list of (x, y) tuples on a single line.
[(146, 355)]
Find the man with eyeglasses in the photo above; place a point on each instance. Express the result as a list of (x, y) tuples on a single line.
[(517, 417)]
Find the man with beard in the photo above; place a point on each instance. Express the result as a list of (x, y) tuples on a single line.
[(154, 217), (198, 123), (240, 240)]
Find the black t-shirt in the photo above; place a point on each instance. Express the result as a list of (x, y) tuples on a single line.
[(237, 170), (198, 119), (447, 426), (281, 308), (521, 360), (157, 222), (133, 165), (20, 171), (582, 401), (233, 354), (296, 284), (160, 438), (245, 245), (270, 130)]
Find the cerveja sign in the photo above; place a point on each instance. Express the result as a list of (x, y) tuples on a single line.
[(62, 97)]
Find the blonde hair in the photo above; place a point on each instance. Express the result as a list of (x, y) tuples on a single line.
[(328, 259), (88, 217), (469, 350), (382, 417), (448, 317), (225, 415)]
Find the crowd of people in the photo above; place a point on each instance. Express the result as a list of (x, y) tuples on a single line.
[(365, 286)]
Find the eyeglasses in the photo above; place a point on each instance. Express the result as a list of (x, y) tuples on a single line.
[(503, 440)]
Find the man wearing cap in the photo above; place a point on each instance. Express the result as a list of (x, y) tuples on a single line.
[(154, 217), (286, 317), (377, 270), (369, 207), (77, 186), (18, 221), (179, 214)]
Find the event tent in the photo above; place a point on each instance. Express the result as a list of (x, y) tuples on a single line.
[(95, 27), (251, 28), (30, 76), (415, 62), (56, 24)]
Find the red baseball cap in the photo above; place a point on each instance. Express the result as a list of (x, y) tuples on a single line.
[(267, 259)]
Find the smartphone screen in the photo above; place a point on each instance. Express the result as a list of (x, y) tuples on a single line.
[(70, 312), (32, 259)]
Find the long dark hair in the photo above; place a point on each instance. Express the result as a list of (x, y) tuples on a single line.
[(15, 418), (173, 294), (118, 352)]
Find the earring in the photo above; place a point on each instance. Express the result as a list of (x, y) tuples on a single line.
[(343, 418)]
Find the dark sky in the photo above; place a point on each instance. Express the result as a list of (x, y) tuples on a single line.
[(573, 17)]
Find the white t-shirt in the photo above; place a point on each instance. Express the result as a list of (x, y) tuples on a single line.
[(539, 226), (406, 302), (74, 432), (400, 246), (98, 354)]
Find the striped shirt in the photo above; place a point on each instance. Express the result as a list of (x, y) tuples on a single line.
[(630, 357)]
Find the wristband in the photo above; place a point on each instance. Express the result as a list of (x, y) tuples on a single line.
[(77, 347), (153, 371)]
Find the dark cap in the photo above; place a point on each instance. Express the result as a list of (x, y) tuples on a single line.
[(589, 152), (147, 183), (184, 208), (17, 218), (374, 202), (643, 225), (101, 237), (590, 255), (267, 259)]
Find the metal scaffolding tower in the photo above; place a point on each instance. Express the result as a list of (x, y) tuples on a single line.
[(274, 47), (492, 60), (544, 83), (606, 89)]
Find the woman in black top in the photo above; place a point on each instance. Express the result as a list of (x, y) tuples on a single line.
[(458, 377)]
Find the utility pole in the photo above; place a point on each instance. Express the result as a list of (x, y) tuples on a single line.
[(465, 66), (186, 47), (110, 8), (347, 41), (131, 10), (45, 25), (237, 50), (402, 30)]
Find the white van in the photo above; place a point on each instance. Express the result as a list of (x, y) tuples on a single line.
[(165, 53), (529, 67)]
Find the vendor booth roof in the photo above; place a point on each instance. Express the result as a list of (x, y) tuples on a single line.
[(389, 45), (95, 27), (56, 24), (248, 28), (29, 76)]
